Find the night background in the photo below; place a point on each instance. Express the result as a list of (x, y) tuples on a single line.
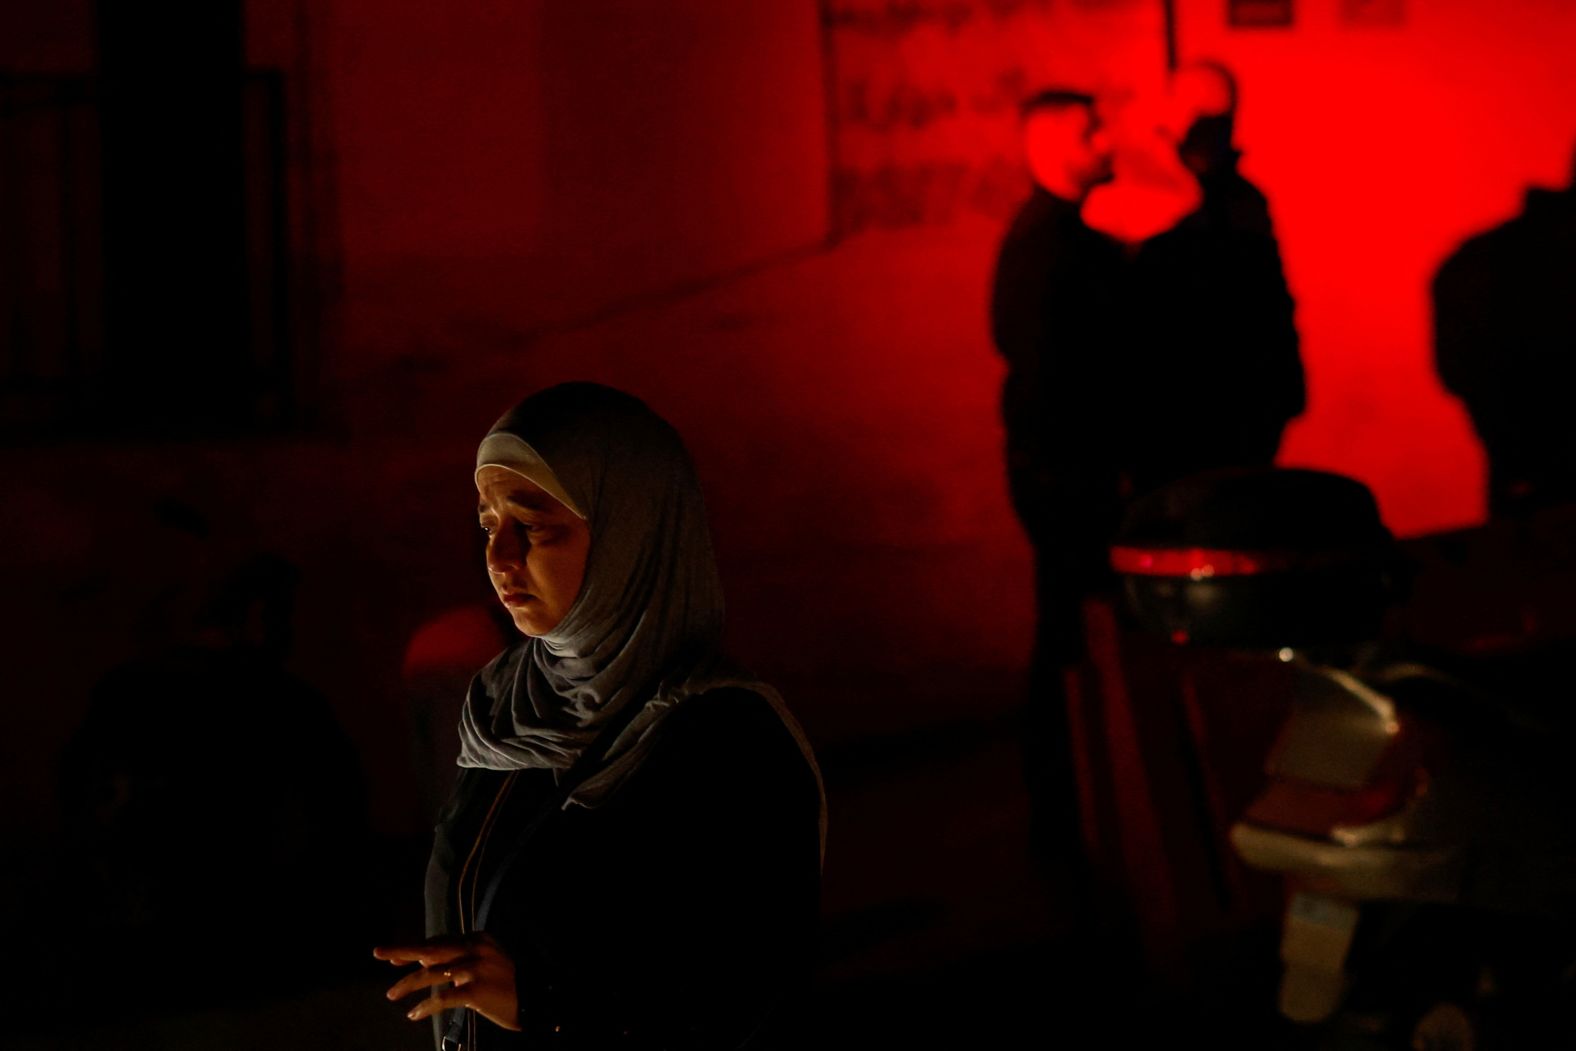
[(269, 270)]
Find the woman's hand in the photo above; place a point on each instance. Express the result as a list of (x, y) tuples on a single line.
[(479, 974)]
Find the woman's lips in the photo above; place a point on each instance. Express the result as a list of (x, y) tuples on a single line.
[(516, 598)]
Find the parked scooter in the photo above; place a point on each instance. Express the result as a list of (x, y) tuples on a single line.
[(1417, 809)]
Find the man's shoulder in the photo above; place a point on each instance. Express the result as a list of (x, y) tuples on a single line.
[(1034, 212), (1047, 229)]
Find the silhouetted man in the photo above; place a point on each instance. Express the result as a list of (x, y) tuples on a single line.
[(212, 801), (1217, 373), (1505, 344), (1053, 309)]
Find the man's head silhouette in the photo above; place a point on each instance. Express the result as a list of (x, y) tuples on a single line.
[(1065, 143)]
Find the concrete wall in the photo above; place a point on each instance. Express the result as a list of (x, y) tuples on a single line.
[(537, 162), (522, 200), (638, 194)]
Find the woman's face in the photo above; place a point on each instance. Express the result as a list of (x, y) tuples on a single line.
[(536, 549)]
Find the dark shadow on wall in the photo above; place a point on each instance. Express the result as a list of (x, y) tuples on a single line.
[(1505, 344)]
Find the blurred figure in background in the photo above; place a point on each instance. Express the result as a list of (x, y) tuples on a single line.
[(1211, 375), (1054, 313), (1128, 367), (1505, 344), (1216, 368), (440, 659), (214, 808)]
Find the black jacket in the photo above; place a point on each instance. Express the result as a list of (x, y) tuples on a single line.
[(1056, 319), (1215, 351), (1505, 344), (678, 914)]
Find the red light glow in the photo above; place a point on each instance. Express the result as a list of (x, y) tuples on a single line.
[(1199, 563)]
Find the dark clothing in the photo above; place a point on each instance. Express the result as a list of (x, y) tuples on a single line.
[(1124, 371), (1217, 373), (1505, 344), (1055, 308), (679, 914), (205, 777), (1123, 375)]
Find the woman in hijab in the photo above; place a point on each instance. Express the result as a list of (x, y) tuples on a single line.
[(631, 857)]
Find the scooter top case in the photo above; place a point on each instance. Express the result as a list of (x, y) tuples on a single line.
[(1257, 558)]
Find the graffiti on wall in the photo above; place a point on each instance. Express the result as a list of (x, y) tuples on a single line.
[(925, 96)]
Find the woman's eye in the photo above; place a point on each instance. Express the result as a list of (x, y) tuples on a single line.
[(530, 529)]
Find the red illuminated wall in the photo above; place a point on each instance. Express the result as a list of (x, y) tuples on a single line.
[(925, 97), (1382, 141), (528, 197), (642, 194), (525, 164), (1382, 147)]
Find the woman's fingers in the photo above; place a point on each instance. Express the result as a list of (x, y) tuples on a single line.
[(436, 950), (438, 1002), (458, 972), (471, 971)]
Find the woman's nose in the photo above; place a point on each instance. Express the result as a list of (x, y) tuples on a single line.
[(504, 551)]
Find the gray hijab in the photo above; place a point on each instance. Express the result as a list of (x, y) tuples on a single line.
[(647, 625)]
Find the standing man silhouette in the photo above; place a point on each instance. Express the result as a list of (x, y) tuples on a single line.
[(1505, 344), (1216, 345), (1054, 306)]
